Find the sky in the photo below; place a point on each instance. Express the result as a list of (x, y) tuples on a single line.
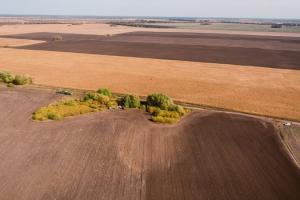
[(170, 8)]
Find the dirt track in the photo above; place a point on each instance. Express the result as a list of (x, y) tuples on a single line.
[(262, 51), (122, 155)]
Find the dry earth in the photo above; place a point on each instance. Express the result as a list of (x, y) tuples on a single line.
[(265, 91), (122, 155)]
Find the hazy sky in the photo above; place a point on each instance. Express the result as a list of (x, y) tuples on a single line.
[(189, 8)]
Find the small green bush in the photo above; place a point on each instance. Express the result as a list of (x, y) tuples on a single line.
[(103, 99), (6, 77), (61, 109), (159, 100), (131, 101), (177, 108), (152, 109), (9, 78), (164, 120), (169, 114), (112, 104), (22, 80), (105, 92)]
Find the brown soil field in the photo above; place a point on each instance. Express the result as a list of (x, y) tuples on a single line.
[(122, 155), (256, 90), (103, 29), (263, 51), (11, 42)]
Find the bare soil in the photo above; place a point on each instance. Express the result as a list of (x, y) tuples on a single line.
[(262, 51), (122, 155)]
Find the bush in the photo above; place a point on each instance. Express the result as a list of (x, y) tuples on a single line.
[(131, 101), (54, 116), (105, 92), (112, 104), (169, 114), (22, 80), (176, 108), (6, 77), (152, 109), (61, 109), (159, 100), (103, 99), (9, 78), (164, 120)]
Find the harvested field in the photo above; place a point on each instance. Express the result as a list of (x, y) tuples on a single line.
[(103, 29), (264, 91), (262, 51), (11, 42), (122, 155)]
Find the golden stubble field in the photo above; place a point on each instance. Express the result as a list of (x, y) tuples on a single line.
[(257, 90), (11, 42)]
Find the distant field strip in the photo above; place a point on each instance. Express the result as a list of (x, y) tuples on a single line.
[(11, 42), (265, 91), (261, 51)]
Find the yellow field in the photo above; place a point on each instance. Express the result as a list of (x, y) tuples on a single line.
[(10, 42), (273, 92)]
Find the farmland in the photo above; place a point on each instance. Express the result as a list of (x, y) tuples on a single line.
[(113, 153), (106, 156), (265, 91)]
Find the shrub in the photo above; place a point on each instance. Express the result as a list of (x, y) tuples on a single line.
[(16, 80), (177, 108), (6, 77), (160, 100), (112, 104), (169, 114), (131, 101), (54, 116), (61, 109), (164, 120), (22, 80), (105, 92), (97, 97), (152, 109)]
